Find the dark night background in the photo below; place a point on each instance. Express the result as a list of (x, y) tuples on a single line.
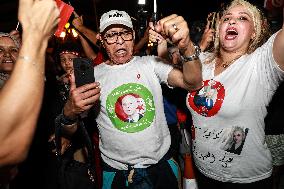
[(190, 9)]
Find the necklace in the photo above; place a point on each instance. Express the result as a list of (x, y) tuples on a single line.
[(228, 63)]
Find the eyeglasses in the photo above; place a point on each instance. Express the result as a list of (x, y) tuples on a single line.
[(113, 36)]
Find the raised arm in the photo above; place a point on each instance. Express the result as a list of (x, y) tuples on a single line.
[(207, 37), (20, 98), (88, 33), (79, 25), (90, 53), (175, 28), (142, 42), (278, 47)]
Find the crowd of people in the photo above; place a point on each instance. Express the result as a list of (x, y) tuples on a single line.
[(225, 81)]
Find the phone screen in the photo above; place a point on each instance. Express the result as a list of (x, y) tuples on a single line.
[(83, 71)]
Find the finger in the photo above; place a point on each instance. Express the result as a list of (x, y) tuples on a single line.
[(14, 32), (212, 32), (81, 19), (25, 5), (87, 107), (88, 87), (64, 148), (72, 81), (207, 26), (90, 93), (171, 26), (160, 37), (51, 138), (152, 35), (152, 38), (75, 14), (181, 37), (160, 24), (151, 25)]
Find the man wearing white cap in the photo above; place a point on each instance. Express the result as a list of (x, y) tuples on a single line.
[(137, 154)]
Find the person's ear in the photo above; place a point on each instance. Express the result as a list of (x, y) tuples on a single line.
[(99, 37), (133, 35)]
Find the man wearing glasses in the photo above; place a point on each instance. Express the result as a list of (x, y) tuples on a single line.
[(137, 154)]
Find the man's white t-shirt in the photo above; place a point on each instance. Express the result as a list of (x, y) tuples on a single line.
[(240, 95), (145, 140)]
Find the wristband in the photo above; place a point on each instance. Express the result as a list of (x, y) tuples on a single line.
[(66, 120)]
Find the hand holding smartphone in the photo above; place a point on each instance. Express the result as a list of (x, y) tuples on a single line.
[(212, 19)]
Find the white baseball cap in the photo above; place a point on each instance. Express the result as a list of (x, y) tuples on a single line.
[(115, 17)]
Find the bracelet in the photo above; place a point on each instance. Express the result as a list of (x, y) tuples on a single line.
[(66, 120), (27, 58), (195, 56)]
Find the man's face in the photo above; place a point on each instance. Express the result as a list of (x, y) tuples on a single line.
[(129, 104), (8, 54), (119, 43)]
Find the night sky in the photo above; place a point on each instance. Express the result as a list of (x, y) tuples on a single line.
[(190, 9)]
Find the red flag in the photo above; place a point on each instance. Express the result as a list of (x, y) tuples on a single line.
[(65, 13)]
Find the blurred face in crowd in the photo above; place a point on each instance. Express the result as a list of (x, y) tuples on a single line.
[(66, 60), (236, 29), (119, 43), (8, 54)]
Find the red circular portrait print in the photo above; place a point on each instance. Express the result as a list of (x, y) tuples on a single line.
[(208, 100), (130, 108)]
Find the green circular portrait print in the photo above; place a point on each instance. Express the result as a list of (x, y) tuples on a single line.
[(130, 107)]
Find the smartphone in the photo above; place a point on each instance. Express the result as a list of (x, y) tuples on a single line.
[(212, 19), (83, 71)]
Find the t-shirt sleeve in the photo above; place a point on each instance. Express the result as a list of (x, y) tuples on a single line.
[(161, 68), (269, 72)]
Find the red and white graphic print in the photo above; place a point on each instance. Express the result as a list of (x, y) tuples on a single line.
[(208, 100)]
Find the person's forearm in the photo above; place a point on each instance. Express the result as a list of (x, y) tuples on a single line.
[(192, 72), (90, 34), (26, 82), (138, 46), (87, 49), (278, 48)]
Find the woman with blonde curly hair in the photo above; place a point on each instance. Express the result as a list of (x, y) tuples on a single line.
[(245, 68)]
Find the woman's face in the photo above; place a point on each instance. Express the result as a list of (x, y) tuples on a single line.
[(8, 54), (238, 136), (236, 29), (66, 61)]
